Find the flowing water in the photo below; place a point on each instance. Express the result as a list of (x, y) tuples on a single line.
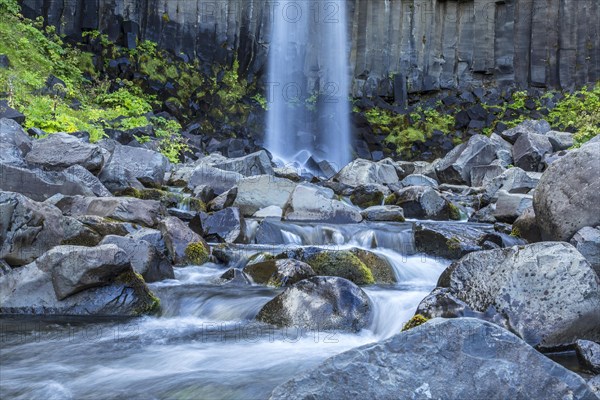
[(205, 343), (308, 83)]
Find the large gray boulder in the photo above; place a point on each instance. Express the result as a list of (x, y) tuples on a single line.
[(560, 140), (539, 127), (219, 180), (423, 202), (257, 192), (61, 150), (257, 163), (513, 180), (27, 228), (418, 180), (321, 302), (126, 209), (526, 227), (144, 257), (77, 173), (567, 197), (449, 240), (529, 151), (546, 293), (363, 172), (14, 143), (511, 206), (481, 175), (455, 167), (227, 225), (128, 163), (313, 203), (40, 185), (71, 280), (443, 359), (383, 213), (588, 354), (587, 242), (178, 237), (279, 273)]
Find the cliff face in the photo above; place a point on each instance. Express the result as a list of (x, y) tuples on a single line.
[(435, 44)]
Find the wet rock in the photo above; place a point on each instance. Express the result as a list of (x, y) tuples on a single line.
[(560, 140), (227, 225), (261, 191), (145, 259), (482, 361), (27, 228), (594, 384), (224, 200), (381, 269), (529, 151), (369, 195), (253, 164), (341, 263), (455, 167), (313, 203), (127, 163), (279, 273), (178, 237), (529, 126), (510, 206), (499, 240), (568, 195), (587, 242), (449, 240), (320, 302), (418, 180), (236, 276), (125, 209), (383, 213), (546, 293), (484, 215), (61, 150), (423, 202), (588, 354), (526, 226), (363, 172)]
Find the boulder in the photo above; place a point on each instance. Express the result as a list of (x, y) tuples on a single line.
[(588, 354), (27, 228), (257, 163), (513, 180), (61, 150), (279, 273), (219, 180), (423, 202), (484, 214), (383, 213), (77, 173), (449, 240), (539, 127), (152, 236), (96, 281), (546, 293), (363, 172), (455, 167), (178, 239), (560, 140), (567, 197), (256, 192), (224, 200), (234, 276), (322, 303), (587, 242), (500, 240), (510, 206), (269, 212), (313, 203), (461, 358), (128, 163), (405, 168), (369, 195), (145, 259), (381, 269), (529, 151), (594, 384), (482, 175), (227, 225), (341, 263), (14, 143), (526, 226), (40, 185), (7, 112), (126, 209), (418, 180)]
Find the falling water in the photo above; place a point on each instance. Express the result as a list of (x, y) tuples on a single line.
[(308, 56)]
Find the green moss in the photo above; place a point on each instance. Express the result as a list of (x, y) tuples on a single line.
[(453, 243), (454, 211), (579, 112), (367, 200), (414, 322), (343, 264), (147, 302), (390, 200), (197, 253), (380, 268), (515, 232)]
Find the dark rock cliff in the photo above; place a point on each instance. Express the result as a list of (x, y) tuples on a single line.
[(435, 44)]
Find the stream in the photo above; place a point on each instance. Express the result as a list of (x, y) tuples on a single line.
[(205, 343)]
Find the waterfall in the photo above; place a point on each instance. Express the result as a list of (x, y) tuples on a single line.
[(308, 83)]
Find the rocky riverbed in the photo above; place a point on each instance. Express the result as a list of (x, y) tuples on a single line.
[(123, 274)]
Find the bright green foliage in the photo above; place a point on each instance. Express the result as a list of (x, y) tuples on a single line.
[(414, 322), (9, 7), (196, 253), (579, 111), (403, 131)]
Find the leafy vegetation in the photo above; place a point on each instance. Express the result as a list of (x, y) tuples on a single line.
[(579, 112), (414, 322)]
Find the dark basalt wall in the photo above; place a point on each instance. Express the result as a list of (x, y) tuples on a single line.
[(436, 44)]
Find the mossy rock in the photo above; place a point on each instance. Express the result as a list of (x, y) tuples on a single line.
[(343, 264), (414, 322), (147, 302), (197, 253), (366, 199), (260, 258), (279, 272), (166, 198), (453, 212), (381, 269)]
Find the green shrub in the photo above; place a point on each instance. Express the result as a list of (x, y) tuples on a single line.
[(414, 322), (579, 111)]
